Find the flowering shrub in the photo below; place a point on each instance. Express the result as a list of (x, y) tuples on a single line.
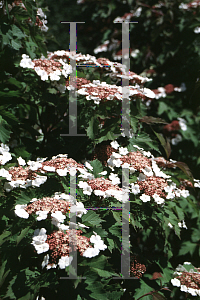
[(38, 235)]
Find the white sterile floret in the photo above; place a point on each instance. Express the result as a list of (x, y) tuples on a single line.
[(5, 157), (88, 165), (85, 174), (184, 193), (182, 124), (170, 195), (176, 282), (45, 261), (6, 174), (184, 288), (39, 239), (123, 151), (42, 73), (79, 208), (197, 183), (158, 199), (147, 171), (39, 180), (97, 241), (115, 179), (147, 153), (192, 291), (64, 261), (176, 140), (55, 75), (157, 170), (34, 165), (62, 172), (139, 148), (26, 62), (117, 163), (170, 225), (135, 188), (49, 168), (115, 155), (145, 198), (197, 30), (67, 69), (183, 225), (33, 200), (148, 93), (87, 190), (91, 252), (20, 212), (4, 148), (42, 215), (99, 193), (58, 216), (21, 161), (103, 173), (132, 170)]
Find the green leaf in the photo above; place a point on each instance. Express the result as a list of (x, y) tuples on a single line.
[(187, 247), (97, 167), (22, 234), (92, 129), (3, 274), (16, 44), (117, 215), (4, 133), (17, 32), (91, 218), (104, 273), (111, 245), (3, 236), (140, 293)]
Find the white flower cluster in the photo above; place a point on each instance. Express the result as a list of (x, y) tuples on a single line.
[(43, 20), (10, 185), (98, 245), (54, 76), (177, 282), (39, 239), (5, 156), (26, 62)]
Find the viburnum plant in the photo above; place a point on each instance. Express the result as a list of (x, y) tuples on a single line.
[(36, 199)]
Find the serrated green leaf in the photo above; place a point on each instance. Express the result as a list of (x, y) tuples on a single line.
[(16, 44), (92, 218), (3, 236), (4, 133), (17, 32), (22, 234), (187, 247), (97, 167), (104, 273)]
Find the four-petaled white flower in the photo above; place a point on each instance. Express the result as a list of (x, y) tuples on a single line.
[(114, 144), (145, 198), (21, 161), (42, 215), (64, 261), (135, 188), (176, 282)]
